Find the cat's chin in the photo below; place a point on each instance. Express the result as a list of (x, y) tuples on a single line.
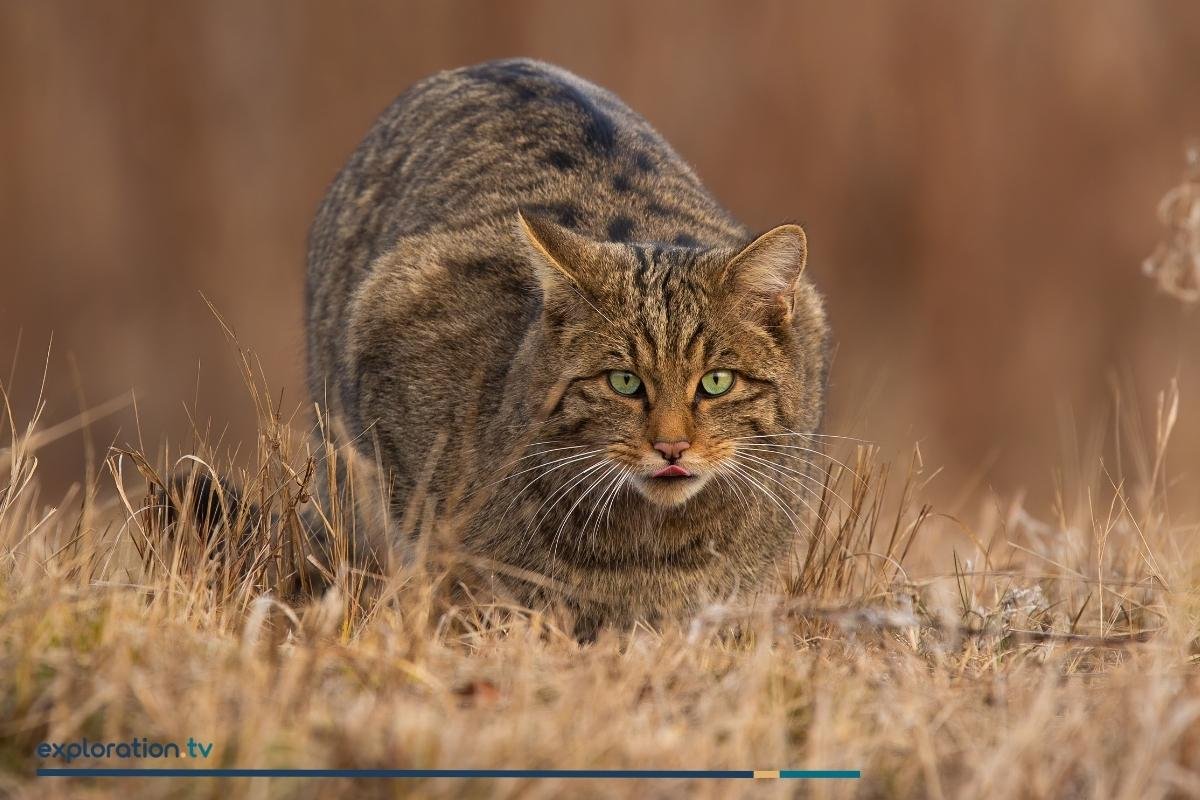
[(670, 492)]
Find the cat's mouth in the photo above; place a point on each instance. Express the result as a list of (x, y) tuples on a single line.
[(670, 485), (672, 471)]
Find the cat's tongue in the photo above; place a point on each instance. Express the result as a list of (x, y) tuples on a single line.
[(672, 471)]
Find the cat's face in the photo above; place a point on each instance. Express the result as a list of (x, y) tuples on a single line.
[(671, 357)]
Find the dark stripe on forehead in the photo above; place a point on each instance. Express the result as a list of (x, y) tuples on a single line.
[(694, 339), (642, 274), (648, 332), (635, 352), (684, 303), (668, 294)]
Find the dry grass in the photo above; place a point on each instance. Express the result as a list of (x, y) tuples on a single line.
[(1041, 655), (1175, 263)]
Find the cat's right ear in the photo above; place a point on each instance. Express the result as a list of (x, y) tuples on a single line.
[(556, 255)]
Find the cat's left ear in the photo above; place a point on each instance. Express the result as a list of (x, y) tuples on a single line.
[(769, 268)]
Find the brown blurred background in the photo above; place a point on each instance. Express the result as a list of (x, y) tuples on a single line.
[(978, 182)]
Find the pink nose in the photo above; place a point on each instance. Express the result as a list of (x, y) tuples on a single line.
[(671, 450)]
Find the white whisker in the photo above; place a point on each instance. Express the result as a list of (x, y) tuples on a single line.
[(535, 479), (777, 447), (599, 504), (819, 496), (797, 433), (553, 465), (567, 516), (829, 436), (724, 476), (768, 476), (624, 479), (540, 453), (562, 491), (738, 470)]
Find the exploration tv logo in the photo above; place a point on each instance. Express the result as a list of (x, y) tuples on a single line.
[(144, 748), (134, 748)]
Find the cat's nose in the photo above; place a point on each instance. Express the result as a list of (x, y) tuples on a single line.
[(671, 450)]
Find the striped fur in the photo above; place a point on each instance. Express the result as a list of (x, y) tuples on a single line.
[(505, 235)]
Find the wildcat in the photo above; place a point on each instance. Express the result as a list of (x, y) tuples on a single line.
[(515, 286)]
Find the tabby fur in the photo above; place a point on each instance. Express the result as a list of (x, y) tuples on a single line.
[(505, 236)]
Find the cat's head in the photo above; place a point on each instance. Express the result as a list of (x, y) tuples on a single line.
[(667, 358)]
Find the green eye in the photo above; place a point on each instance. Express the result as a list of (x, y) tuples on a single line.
[(625, 383), (717, 382)]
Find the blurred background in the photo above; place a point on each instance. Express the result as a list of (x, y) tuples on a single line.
[(978, 182)]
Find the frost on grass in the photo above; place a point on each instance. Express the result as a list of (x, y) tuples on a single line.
[(1175, 264)]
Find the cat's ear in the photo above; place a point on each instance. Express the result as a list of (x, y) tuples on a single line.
[(768, 269), (559, 256)]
